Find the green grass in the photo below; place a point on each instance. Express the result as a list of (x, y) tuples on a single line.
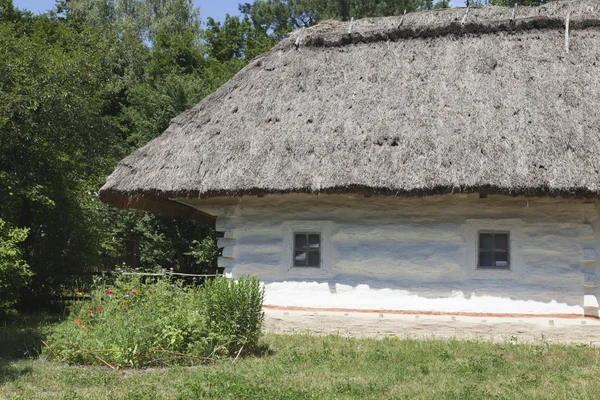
[(302, 367)]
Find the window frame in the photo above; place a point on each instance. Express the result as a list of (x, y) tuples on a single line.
[(326, 229), (307, 249), (494, 250)]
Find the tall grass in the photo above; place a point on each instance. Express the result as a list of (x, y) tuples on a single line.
[(133, 323)]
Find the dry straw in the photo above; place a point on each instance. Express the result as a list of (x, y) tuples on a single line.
[(429, 106)]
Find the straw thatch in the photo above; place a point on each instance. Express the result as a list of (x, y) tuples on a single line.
[(414, 105)]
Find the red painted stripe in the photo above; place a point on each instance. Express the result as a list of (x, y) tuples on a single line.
[(411, 312)]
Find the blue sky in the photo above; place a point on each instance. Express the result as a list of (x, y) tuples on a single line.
[(208, 8)]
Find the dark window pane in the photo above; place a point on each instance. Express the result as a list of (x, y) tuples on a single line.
[(300, 241), (501, 241), (494, 250), (300, 258), (314, 241), (486, 241), (314, 258), (485, 259), (501, 256)]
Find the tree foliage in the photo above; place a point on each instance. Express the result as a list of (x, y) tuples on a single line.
[(147, 19), (56, 143), (14, 271), (283, 16), (237, 38), (76, 95)]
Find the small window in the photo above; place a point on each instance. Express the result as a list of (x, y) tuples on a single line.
[(494, 250), (307, 250)]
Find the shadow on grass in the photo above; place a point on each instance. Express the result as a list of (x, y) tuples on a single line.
[(21, 338), (21, 335), (259, 351), (10, 372)]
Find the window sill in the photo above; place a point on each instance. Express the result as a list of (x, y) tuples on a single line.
[(307, 272), (490, 273)]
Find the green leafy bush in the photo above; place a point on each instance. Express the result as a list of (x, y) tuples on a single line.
[(234, 309), (133, 323), (14, 272)]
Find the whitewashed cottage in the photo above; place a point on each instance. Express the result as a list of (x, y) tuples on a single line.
[(438, 162)]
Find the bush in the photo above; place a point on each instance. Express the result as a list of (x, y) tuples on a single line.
[(14, 272), (137, 324)]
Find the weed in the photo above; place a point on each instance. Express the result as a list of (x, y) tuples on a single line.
[(157, 323)]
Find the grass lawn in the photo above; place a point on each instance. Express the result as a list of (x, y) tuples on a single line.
[(303, 366)]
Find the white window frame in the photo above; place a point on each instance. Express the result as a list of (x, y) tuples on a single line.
[(473, 228), (325, 230)]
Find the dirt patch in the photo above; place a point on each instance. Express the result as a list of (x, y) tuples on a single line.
[(552, 330)]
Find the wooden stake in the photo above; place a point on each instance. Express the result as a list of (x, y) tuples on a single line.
[(297, 44), (350, 26), (49, 348), (466, 15), (514, 12), (88, 352), (402, 19), (238, 354), (567, 33)]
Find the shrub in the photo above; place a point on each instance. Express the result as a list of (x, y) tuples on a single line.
[(233, 310), (133, 323), (14, 272)]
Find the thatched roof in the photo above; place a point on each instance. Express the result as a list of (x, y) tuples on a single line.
[(403, 105)]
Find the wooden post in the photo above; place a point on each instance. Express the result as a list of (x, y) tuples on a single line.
[(402, 19), (466, 15), (297, 44), (350, 26)]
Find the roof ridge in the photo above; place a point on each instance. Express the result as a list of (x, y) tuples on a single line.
[(454, 21)]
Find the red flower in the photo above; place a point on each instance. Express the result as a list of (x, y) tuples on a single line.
[(79, 320), (109, 291), (99, 309), (122, 305), (91, 310)]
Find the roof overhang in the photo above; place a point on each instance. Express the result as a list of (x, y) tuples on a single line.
[(160, 206)]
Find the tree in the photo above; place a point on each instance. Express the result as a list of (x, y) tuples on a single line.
[(283, 16), (441, 4), (145, 18), (237, 39), (7, 11), (163, 70), (55, 141)]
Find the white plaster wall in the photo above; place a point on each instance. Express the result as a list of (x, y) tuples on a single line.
[(414, 254)]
